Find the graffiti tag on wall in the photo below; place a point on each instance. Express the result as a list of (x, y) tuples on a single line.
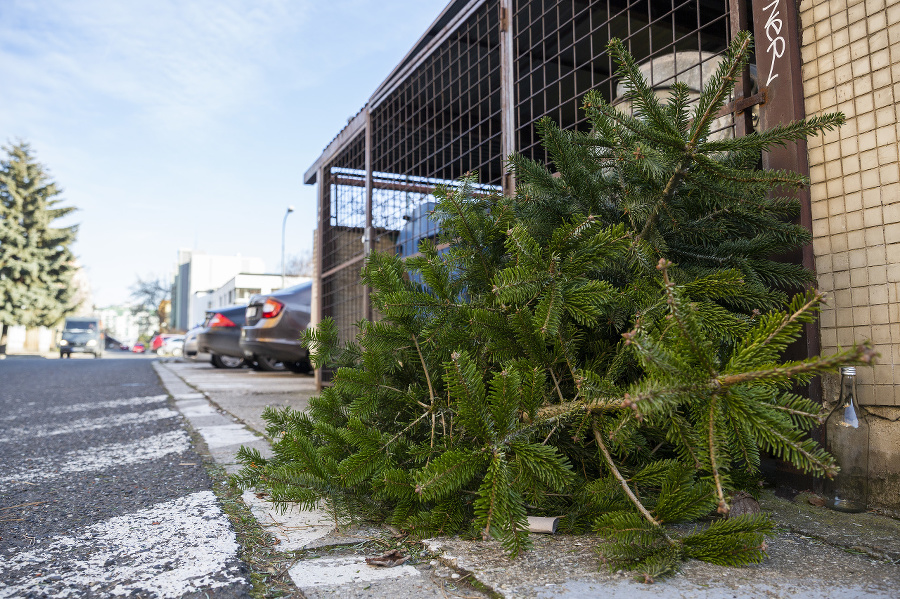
[(777, 43)]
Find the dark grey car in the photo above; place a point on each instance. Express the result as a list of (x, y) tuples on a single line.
[(274, 325), (219, 337), (81, 335)]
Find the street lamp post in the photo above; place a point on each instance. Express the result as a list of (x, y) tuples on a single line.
[(283, 224)]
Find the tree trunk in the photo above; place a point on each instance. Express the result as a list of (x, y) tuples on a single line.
[(3, 333)]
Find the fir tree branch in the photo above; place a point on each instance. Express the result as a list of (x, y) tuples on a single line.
[(411, 424), (666, 195), (860, 354), (556, 384), (580, 407), (625, 487), (724, 508), (817, 417), (736, 54), (698, 352), (451, 195), (425, 369), (814, 299)]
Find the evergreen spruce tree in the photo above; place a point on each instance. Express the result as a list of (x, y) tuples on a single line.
[(36, 262), (603, 346)]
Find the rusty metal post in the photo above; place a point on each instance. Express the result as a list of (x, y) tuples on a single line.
[(369, 234), (318, 279), (777, 33), (507, 93), (743, 120)]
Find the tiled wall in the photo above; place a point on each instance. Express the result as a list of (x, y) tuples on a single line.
[(851, 63)]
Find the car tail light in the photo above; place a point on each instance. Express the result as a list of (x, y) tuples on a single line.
[(220, 320), (272, 308)]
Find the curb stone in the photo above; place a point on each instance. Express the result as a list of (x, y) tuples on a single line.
[(346, 575)]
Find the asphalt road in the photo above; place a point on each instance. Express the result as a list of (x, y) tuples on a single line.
[(101, 493)]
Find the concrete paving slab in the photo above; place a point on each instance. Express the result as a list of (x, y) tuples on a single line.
[(338, 571), (246, 393), (223, 435), (350, 577), (295, 528), (865, 532), (568, 567), (196, 407), (187, 396)]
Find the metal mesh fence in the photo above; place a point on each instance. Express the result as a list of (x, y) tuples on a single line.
[(441, 115), (344, 203), (561, 53), (441, 122)]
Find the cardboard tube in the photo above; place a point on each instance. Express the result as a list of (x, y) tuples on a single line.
[(546, 525)]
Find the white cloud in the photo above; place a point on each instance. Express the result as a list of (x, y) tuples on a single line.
[(176, 64)]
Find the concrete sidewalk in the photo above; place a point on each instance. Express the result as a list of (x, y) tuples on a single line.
[(816, 554)]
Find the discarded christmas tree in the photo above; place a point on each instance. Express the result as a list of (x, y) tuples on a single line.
[(603, 346)]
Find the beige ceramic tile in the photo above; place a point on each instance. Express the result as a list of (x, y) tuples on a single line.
[(878, 295), (872, 217), (856, 239), (877, 275), (892, 234), (837, 205), (839, 242), (871, 197), (870, 178), (889, 173)]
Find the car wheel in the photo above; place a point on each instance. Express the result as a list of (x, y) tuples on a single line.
[(226, 361), (299, 367), (266, 364), (176, 352), (98, 356)]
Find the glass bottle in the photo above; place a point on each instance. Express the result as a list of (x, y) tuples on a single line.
[(847, 439)]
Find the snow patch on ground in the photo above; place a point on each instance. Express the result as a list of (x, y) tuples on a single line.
[(103, 457), (165, 551), (87, 424), (84, 407)]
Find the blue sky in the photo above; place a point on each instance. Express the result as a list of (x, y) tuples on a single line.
[(189, 123)]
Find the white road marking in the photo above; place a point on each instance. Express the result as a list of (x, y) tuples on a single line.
[(83, 407), (166, 551), (333, 571), (226, 434), (87, 424), (102, 457)]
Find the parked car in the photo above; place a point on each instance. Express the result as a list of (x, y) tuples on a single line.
[(274, 325), (81, 335), (157, 341), (190, 342), (139, 348), (220, 335), (173, 345)]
